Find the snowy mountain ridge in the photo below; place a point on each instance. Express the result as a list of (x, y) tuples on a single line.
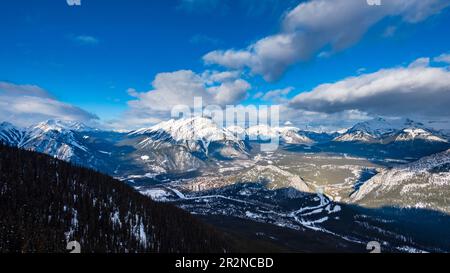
[(287, 134), (385, 131), (197, 128), (10, 134), (198, 135), (53, 137), (420, 184)]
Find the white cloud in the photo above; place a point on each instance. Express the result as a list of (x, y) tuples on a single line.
[(313, 25), (444, 58), (11, 89), (322, 122), (212, 77), (27, 104), (230, 92), (170, 89), (421, 62), (258, 95), (416, 90), (234, 59), (277, 95), (180, 88)]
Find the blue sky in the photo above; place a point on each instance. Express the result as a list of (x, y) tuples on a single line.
[(88, 56)]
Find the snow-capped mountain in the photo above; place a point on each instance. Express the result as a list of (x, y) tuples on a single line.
[(385, 131), (292, 135), (61, 125), (11, 135), (185, 144), (410, 134), (190, 129), (197, 134), (54, 137), (421, 184), (263, 132), (356, 136)]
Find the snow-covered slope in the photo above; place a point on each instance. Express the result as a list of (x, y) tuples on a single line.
[(287, 134), (275, 178), (356, 136), (385, 131), (10, 135), (292, 135), (191, 129), (185, 144), (54, 137), (421, 184), (411, 134)]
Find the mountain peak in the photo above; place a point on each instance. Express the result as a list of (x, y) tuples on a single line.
[(287, 134), (61, 125), (194, 128), (10, 134), (7, 125), (380, 128)]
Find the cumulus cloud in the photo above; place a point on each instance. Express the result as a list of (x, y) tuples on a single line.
[(230, 92), (277, 95), (316, 24), (11, 89), (27, 104), (211, 77), (258, 95), (443, 58), (322, 122), (179, 88), (415, 90)]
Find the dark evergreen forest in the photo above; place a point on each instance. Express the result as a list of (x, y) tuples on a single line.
[(46, 202)]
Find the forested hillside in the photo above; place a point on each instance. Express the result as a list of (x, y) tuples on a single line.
[(46, 202)]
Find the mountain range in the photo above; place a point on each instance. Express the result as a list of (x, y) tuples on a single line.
[(197, 139), (311, 180), (387, 131)]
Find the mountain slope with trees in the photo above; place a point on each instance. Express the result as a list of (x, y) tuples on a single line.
[(46, 202)]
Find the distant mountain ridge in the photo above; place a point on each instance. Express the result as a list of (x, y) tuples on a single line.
[(185, 145), (385, 131), (198, 154), (286, 134)]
